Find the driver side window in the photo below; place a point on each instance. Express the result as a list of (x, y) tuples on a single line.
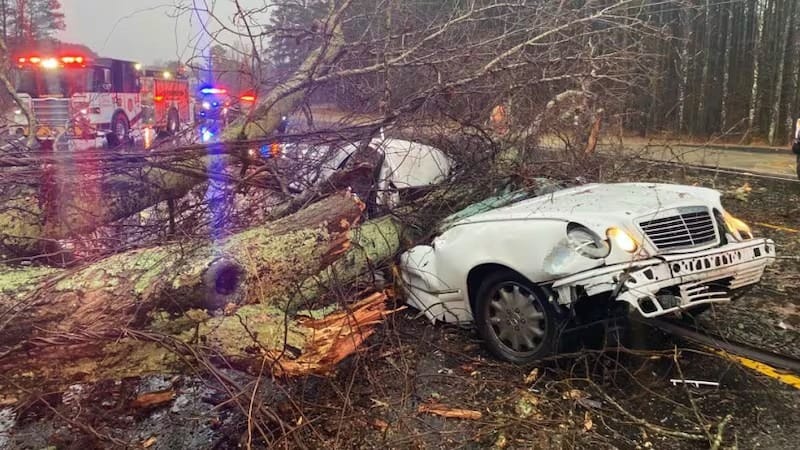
[(102, 80)]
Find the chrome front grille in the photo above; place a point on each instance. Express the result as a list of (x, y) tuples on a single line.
[(691, 227), (51, 112)]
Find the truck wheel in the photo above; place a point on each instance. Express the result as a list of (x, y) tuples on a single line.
[(120, 130), (173, 122), (514, 319)]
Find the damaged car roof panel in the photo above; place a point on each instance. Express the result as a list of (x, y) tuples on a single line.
[(632, 199)]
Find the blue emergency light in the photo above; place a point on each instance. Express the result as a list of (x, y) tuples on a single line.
[(206, 134), (213, 91)]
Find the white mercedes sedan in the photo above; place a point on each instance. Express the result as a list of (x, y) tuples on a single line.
[(522, 270)]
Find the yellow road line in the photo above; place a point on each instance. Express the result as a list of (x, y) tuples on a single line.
[(764, 369), (778, 227)]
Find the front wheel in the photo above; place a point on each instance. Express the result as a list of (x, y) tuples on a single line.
[(515, 320), (120, 130)]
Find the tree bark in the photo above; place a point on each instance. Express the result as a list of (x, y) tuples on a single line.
[(755, 99), (726, 76), (702, 112), (791, 98), (684, 58), (775, 118), (4, 18), (8, 86), (151, 310)]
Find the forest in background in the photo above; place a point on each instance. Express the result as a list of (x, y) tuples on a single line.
[(706, 68)]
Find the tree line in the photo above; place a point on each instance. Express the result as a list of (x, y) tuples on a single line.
[(702, 68), (728, 67), (26, 21)]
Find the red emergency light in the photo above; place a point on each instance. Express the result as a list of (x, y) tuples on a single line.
[(248, 98), (50, 63), (72, 59)]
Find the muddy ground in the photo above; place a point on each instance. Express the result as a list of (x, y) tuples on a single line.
[(589, 399)]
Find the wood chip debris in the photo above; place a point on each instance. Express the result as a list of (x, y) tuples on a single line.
[(380, 425), (695, 383), (153, 399), (438, 409), (587, 421), (532, 376)]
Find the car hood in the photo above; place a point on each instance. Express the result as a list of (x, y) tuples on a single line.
[(601, 201)]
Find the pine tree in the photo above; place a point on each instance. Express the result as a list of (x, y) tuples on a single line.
[(46, 18), (295, 25), (30, 21), (776, 104), (7, 14)]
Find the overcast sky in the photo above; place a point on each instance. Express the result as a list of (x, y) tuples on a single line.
[(146, 30)]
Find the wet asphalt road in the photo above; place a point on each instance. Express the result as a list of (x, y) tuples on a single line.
[(780, 162)]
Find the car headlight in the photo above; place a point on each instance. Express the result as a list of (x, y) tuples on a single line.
[(622, 239), (206, 105), (586, 242), (17, 112), (736, 227)]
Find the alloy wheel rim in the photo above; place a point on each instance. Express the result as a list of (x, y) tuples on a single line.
[(517, 318)]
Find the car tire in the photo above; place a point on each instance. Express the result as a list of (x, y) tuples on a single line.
[(173, 122), (515, 319), (120, 130)]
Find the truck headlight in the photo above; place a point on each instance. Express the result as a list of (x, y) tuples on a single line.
[(586, 242), (622, 239), (736, 227)]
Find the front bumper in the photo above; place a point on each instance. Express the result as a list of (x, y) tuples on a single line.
[(663, 285)]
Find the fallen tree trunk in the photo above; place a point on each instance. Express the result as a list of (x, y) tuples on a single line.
[(145, 311), (154, 310)]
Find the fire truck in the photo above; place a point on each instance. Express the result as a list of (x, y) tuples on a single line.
[(108, 101)]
